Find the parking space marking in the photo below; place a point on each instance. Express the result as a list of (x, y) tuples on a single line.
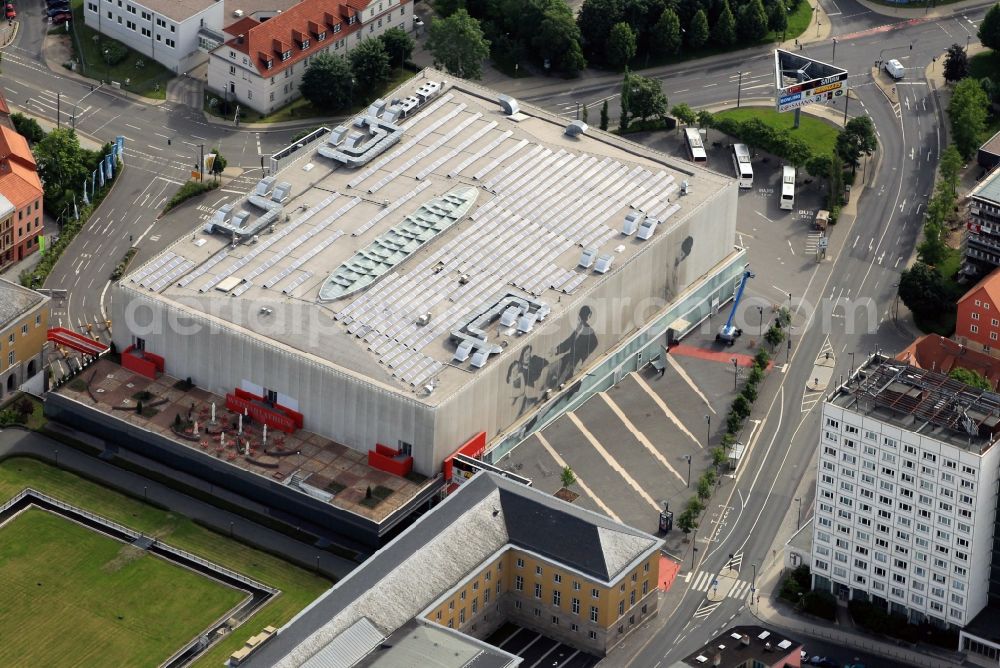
[(612, 462), (663, 407), (586, 490), (641, 437), (675, 365)]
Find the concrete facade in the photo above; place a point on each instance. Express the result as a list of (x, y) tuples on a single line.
[(163, 30)]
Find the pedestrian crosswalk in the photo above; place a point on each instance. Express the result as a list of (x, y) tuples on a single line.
[(706, 581)]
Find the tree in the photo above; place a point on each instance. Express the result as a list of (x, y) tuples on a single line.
[(626, 104), (971, 377), (704, 488), (932, 249), (604, 116), (923, 290), (567, 477), (370, 63), (697, 34), (989, 29), (951, 168), (967, 112), (328, 82), (595, 20), (646, 98), (398, 44), (557, 39), (63, 165), (687, 521), (818, 166), (457, 44), (753, 21), (724, 30), (667, 34), (219, 164), (956, 63), (621, 45), (856, 139), (777, 17), (684, 113), (774, 336), (27, 126)]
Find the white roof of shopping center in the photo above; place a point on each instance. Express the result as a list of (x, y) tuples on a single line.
[(542, 198)]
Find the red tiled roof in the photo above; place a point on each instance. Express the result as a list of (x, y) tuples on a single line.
[(4, 109), (268, 40), (19, 180), (936, 353), (991, 284)]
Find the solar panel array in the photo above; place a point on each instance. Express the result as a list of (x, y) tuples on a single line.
[(546, 202)]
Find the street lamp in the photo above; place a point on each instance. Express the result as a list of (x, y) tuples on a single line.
[(760, 331), (967, 38), (852, 364), (833, 59), (739, 89), (694, 545), (708, 431), (736, 373), (798, 516), (753, 583), (688, 458)]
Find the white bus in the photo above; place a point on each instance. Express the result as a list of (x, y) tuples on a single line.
[(696, 147), (741, 163), (787, 188)]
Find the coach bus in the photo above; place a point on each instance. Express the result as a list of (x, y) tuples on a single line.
[(787, 188), (741, 163), (696, 147)]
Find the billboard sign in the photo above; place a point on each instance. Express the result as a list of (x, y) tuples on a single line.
[(800, 81)]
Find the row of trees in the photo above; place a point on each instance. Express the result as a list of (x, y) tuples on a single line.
[(739, 411), (330, 81)]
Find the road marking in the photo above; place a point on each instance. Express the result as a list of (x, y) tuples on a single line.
[(612, 462), (675, 365), (711, 84), (561, 463), (663, 407), (790, 247), (641, 437)]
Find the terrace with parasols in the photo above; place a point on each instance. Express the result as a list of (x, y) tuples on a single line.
[(197, 419)]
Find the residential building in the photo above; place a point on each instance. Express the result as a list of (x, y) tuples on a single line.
[(977, 320), (175, 33), (494, 550), (24, 323), (262, 65), (982, 228), (906, 503), (20, 199), (746, 647), (5, 113), (385, 354), (937, 353)]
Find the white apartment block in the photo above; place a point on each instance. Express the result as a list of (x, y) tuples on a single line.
[(906, 493), (261, 67), (167, 31)]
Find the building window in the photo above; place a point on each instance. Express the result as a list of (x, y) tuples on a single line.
[(593, 592), (538, 570), (517, 605), (171, 43), (621, 608), (557, 578), (11, 359), (556, 597), (575, 606), (538, 590), (538, 612), (972, 328), (592, 635), (461, 616), (975, 316), (593, 613), (519, 583), (576, 586)]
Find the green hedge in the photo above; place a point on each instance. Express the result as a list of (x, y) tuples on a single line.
[(189, 190)]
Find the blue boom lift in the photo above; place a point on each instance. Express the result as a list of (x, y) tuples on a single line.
[(729, 333)]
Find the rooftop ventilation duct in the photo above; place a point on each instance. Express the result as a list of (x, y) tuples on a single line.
[(632, 222), (587, 257), (576, 128), (463, 351), (479, 358), (265, 186), (646, 229), (281, 191), (509, 316), (604, 263), (509, 105), (526, 323)]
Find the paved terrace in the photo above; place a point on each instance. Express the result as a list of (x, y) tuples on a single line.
[(541, 199), (318, 462)]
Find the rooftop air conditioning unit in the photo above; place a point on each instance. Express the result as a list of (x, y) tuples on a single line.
[(632, 221), (424, 319), (463, 279), (238, 14), (463, 351), (685, 187), (604, 263), (587, 257)]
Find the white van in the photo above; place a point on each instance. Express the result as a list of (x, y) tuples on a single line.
[(894, 68), (741, 163), (787, 188)]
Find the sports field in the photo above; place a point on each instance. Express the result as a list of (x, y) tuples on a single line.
[(298, 587), (72, 596)]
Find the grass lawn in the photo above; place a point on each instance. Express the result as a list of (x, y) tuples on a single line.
[(819, 134), (146, 76), (298, 586), (114, 604), (302, 109)]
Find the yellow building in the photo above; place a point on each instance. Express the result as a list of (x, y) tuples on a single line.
[(494, 551), (24, 324)]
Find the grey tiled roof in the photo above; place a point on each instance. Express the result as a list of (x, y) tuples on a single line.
[(15, 301), (486, 514)]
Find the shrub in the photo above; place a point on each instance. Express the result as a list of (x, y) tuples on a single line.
[(728, 440), (741, 407), (733, 422), (784, 317), (749, 392), (762, 358), (756, 375), (774, 335), (114, 51), (189, 190), (820, 603), (719, 455)]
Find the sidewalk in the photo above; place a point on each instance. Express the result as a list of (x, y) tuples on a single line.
[(904, 13)]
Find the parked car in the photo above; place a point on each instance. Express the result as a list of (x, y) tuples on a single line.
[(52, 11), (822, 662), (10, 12), (56, 3), (59, 19)]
